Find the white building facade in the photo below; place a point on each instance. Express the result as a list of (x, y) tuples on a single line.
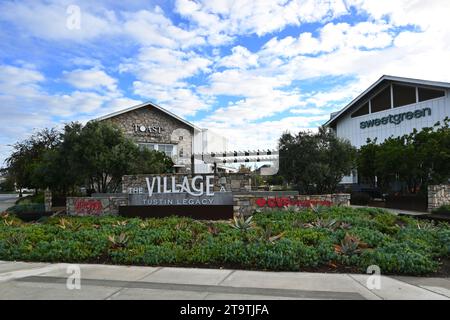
[(392, 106)]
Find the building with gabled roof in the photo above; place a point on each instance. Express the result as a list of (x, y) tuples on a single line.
[(392, 106), (155, 128)]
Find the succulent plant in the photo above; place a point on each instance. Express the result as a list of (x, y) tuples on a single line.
[(345, 225), (181, 225), (120, 223), (267, 235), (318, 209), (243, 224), (350, 245), (291, 208), (67, 224), (430, 226), (119, 241), (322, 223)]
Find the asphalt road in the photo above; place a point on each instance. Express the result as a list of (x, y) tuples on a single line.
[(7, 200)]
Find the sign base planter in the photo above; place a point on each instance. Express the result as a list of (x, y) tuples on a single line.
[(218, 212), (205, 197)]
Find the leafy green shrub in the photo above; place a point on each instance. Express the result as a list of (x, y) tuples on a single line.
[(35, 198), (276, 240), (398, 258), (26, 208), (444, 209)]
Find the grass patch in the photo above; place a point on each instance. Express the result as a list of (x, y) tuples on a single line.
[(337, 238)]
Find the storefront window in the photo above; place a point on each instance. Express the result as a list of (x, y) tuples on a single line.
[(168, 149)]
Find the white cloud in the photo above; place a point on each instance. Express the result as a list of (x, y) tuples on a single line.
[(152, 28), (92, 79), (49, 20), (180, 64), (264, 134), (425, 14), (162, 76), (255, 108), (240, 58), (181, 100), (244, 83), (26, 105), (164, 66), (229, 19), (364, 35), (14, 80)]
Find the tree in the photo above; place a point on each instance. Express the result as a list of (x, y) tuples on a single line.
[(7, 182), (365, 161), (101, 154), (315, 162), (96, 156), (413, 160), (27, 154)]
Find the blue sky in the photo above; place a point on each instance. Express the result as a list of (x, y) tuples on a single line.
[(249, 70)]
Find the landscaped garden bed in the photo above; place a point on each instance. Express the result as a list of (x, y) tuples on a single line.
[(318, 239)]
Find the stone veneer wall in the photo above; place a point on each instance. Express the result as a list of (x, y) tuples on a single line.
[(245, 204), (174, 131), (438, 195), (231, 181), (96, 206)]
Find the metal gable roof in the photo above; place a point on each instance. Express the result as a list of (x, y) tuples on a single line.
[(379, 82), (144, 105)]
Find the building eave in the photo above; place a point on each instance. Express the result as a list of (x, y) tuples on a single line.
[(386, 78), (145, 104)]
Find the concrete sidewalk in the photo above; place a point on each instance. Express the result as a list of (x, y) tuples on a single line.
[(19, 280)]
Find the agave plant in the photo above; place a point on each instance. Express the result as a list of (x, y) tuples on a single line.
[(318, 209), (63, 223), (120, 223), (322, 223), (429, 226), (67, 224), (350, 245), (182, 225), (143, 225), (119, 241), (291, 208), (8, 223), (243, 224), (4, 214), (345, 225), (267, 235)]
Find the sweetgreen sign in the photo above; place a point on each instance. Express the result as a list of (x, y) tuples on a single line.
[(396, 118)]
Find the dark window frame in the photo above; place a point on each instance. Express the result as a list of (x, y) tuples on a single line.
[(431, 89), (361, 106), (388, 89), (394, 105)]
